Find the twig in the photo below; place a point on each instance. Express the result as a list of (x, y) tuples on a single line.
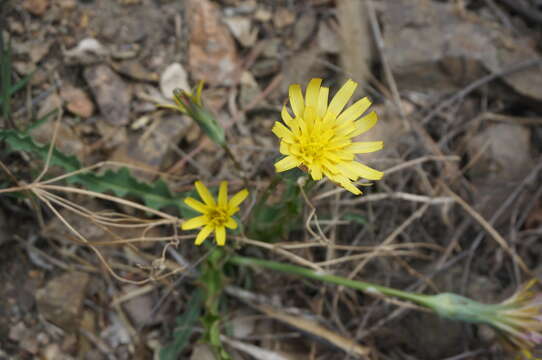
[(399, 195), (490, 229)]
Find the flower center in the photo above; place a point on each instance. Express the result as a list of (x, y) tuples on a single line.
[(218, 217), (312, 149)]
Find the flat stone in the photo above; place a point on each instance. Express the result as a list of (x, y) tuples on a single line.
[(61, 300), (111, 93)]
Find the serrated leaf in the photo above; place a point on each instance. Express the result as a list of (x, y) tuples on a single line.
[(120, 182)]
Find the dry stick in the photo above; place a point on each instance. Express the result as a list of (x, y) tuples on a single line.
[(39, 194), (51, 148), (480, 82), (417, 214), (121, 201), (399, 195), (359, 248), (377, 34), (529, 178), (295, 258), (496, 236)]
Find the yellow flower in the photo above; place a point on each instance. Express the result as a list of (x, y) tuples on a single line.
[(216, 215), (319, 137)]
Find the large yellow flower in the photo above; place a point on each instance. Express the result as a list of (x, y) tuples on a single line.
[(216, 215), (319, 137)]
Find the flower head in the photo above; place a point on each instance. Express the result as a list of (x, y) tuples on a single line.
[(189, 103), (319, 138), (216, 215), (519, 319)]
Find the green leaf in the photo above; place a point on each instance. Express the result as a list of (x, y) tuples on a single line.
[(120, 182), (358, 219), (185, 327)]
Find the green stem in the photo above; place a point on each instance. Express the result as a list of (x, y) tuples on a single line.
[(368, 288)]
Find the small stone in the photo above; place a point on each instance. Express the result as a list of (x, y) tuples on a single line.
[(38, 50), (328, 40), (15, 26), (77, 101), (24, 67), (283, 17), (304, 28), (87, 51), (263, 15), (36, 7), (174, 76), (51, 352), (242, 30), (17, 332), (111, 93), (67, 4), (61, 300)]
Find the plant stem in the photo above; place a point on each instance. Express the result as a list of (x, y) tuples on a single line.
[(368, 288)]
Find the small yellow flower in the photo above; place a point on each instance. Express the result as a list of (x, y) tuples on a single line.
[(216, 215), (319, 137)]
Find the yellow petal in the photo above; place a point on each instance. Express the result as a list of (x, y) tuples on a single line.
[(282, 132), (231, 224), (364, 171), (355, 110), (203, 234), (237, 199), (346, 184), (223, 194), (364, 124), (316, 172), (196, 205), (289, 121), (341, 98), (284, 148), (205, 194), (220, 235), (296, 99), (309, 115), (289, 162), (312, 93), (365, 147), (322, 101), (350, 187), (195, 222)]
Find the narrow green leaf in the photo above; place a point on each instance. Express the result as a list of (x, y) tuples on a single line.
[(185, 327)]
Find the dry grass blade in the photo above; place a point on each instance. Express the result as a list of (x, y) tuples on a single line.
[(491, 230), (315, 329)]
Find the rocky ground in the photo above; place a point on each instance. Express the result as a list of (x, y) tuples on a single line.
[(457, 85)]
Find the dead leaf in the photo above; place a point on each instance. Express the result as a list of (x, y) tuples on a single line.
[(77, 101), (211, 51)]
